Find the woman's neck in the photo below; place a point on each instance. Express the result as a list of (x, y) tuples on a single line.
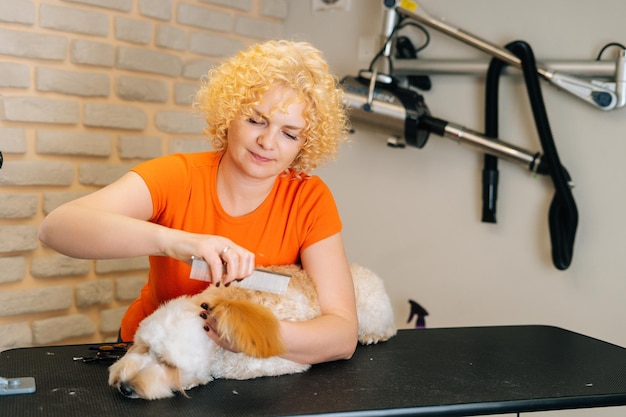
[(239, 194)]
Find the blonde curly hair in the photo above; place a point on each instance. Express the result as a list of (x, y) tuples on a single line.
[(232, 89)]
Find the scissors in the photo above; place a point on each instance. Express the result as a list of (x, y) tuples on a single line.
[(105, 353)]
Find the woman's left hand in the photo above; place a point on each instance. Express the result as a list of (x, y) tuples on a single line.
[(210, 327)]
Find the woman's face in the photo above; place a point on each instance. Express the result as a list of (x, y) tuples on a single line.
[(265, 144)]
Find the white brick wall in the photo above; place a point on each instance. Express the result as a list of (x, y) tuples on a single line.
[(88, 89)]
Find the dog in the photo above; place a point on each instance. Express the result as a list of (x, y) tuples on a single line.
[(172, 353)]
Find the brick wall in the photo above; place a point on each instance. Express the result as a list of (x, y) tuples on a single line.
[(88, 89)]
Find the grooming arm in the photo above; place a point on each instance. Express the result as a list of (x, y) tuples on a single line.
[(598, 94)]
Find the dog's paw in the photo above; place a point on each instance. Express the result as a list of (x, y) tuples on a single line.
[(248, 327), (373, 338)]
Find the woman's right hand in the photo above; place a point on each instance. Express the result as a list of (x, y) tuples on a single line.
[(227, 261)]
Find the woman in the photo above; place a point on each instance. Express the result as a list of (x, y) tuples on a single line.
[(274, 112)]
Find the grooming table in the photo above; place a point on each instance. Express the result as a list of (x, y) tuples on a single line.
[(434, 372)]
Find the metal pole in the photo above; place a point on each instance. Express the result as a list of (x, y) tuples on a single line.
[(405, 67)]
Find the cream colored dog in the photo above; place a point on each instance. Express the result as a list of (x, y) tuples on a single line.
[(172, 352)]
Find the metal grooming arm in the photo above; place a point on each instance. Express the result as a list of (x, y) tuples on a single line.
[(602, 95)]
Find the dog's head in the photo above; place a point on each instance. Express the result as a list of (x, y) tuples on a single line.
[(141, 373), (171, 353)]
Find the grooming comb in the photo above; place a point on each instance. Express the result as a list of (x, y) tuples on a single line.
[(260, 280)]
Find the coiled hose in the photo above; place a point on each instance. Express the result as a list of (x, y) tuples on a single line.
[(563, 213)]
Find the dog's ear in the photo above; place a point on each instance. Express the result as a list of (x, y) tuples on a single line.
[(173, 377), (247, 326)]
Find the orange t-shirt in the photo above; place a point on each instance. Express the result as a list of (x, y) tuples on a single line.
[(297, 213)]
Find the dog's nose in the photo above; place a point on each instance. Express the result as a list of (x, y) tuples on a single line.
[(126, 389)]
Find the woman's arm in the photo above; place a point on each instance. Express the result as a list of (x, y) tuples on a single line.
[(112, 223), (109, 223), (333, 335)]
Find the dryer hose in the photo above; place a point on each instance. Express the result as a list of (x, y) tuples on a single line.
[(563, 213)]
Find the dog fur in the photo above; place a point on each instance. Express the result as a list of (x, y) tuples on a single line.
[(172, 352)]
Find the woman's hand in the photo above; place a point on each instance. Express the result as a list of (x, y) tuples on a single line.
[(227, 261), (210, 326)]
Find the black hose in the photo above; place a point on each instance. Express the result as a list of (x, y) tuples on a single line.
[(490, 164), (563, 214)]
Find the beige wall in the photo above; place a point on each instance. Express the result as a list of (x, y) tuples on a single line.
[(89, 88), (414, 215)]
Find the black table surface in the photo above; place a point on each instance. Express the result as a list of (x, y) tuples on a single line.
[(434, 372)]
